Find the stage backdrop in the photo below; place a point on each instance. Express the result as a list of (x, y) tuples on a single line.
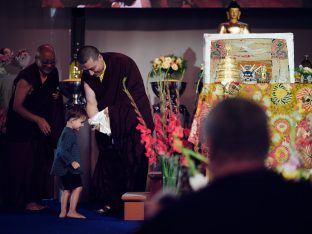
[(174, 3)]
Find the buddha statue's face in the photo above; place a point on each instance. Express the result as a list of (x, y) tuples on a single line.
[(233, 14)]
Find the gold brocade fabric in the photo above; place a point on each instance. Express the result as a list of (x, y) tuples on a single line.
[(288, 106)]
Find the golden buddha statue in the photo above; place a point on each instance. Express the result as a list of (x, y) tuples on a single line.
[(233, 26)]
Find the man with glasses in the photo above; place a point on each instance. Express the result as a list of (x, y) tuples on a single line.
[(29, 130)]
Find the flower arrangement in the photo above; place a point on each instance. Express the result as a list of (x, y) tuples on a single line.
[(304, 70), (304, 74), (168, 143), (21, 60), (168, 67)]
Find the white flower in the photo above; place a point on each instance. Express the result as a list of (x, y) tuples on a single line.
[(198, 181), (165, 65), (257, 96), (296, 115), (293, 163), (276, 138), (157, 61), (266, 101), (174, 67), (269, 113), (24, 60), (304, 70), (307, 70), (3, 71), (168, 60)]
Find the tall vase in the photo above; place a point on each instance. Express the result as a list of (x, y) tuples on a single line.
[(170, 184), (172, 85), (170, 172), (175, 88)]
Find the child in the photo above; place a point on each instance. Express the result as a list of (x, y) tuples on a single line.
[(67, 163)]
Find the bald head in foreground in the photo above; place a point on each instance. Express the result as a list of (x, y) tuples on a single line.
[(243, 195)]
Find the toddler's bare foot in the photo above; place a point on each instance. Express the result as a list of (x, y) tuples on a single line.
[(76, 215), (62, 215)]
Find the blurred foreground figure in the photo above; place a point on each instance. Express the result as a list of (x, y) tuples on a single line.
[(244, 196)]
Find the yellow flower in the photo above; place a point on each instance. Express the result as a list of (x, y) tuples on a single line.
[(155, 66), (179, 61), (281, 93)]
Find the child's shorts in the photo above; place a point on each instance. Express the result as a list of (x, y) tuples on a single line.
[(71, 181)]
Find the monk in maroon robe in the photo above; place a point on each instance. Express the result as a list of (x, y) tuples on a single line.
[(31, 131), (122, 165)]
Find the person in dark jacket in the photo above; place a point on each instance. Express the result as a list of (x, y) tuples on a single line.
[(243, 195), (67, 162)]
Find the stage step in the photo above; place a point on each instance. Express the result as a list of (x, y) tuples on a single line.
[(134, 205)]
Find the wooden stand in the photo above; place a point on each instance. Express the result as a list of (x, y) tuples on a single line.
[(155, 182), (134, 205)]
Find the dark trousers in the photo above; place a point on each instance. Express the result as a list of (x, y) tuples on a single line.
[(114, 175), (27, 167)]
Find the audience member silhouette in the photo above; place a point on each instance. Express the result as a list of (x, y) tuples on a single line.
[(243, 195)]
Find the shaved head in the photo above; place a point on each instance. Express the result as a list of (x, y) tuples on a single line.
[(45, 48), (45, 58)]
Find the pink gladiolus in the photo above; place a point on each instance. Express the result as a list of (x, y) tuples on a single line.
[(183, 161), (161, 147), (144, 130), (177, 145)]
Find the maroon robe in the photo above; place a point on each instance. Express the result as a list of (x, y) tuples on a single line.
[(29, 152), (122, 165)]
